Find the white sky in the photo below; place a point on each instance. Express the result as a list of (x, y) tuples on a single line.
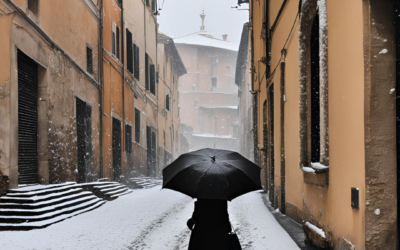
[(182, 17)]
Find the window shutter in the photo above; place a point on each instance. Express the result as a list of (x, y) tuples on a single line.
[(113, 43), (137, 62), (128, 138), (137, 125), (129, 52), (167, 102), (153, 79), (89, 60), (147, 71), (117, 43)]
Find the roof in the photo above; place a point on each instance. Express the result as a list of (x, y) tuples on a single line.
[(204, 38), (241, 62), (176, 58), (219, 107)]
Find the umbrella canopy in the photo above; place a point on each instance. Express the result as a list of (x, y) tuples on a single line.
[(212, 174)]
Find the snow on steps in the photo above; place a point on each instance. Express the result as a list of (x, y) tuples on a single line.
[(144, 182), (38, 206), (107, 190)]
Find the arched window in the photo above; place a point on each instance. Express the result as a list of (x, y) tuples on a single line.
[(313, 83)]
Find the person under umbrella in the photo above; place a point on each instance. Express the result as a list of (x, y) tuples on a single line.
[(213, 177)]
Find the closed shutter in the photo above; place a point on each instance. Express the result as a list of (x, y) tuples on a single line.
[(117, 43), (89, 60), (153, 79), (128, 138), (146, 65), (27, 120), (137, 125), (116, 149), (129, 51)]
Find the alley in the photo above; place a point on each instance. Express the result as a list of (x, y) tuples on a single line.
[(151, 219)]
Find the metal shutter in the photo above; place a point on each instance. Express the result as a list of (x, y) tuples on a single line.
[(27, 120)]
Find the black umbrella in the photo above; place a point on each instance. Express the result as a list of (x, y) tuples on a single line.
[(212, 174)]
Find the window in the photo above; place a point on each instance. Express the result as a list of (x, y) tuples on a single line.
[(117, 43), (213, 82), (136, 65), (315, 109), (114, 30), (89, 60), (128, 138), (137, 125), (146, 65), (120, 2), (167, 102), (214, 71), (154, 6), (148, 3), (153, 79), (33, 6), (129, 51), (313, 86)]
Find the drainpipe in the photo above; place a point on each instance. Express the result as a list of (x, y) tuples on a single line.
[(123, 79), (101, 86), (255, 93)]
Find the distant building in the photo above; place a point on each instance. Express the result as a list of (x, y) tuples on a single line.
[(208, 94), (243, 81)]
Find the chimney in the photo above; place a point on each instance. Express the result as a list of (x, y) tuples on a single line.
[(225, 37)]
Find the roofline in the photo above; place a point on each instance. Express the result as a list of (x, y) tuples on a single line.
[(177, 60)]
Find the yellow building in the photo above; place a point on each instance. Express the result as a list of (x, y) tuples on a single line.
[(49, 92), (324, 80)]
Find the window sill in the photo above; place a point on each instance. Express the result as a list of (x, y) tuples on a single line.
[(316, 177)]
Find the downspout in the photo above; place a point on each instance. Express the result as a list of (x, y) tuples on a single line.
[(101, 86), (123, 79), (254, 93)]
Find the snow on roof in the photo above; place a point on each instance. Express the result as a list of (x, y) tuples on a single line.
[(219, 107), (204, 38), (214, 136)]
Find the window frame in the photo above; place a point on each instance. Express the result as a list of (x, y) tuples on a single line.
[(310, 8)]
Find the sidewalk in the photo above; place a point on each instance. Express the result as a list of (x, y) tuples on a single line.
[(294, 229)]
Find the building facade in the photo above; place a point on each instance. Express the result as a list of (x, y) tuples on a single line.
[(170, 69), (208, 94), (243, 80), (50, 92), (79, 93), (325, 74)]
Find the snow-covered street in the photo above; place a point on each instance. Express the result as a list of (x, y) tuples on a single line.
[(150, 219)]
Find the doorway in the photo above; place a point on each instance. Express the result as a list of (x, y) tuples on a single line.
[(84, 137), (27, 120), (116, 149)]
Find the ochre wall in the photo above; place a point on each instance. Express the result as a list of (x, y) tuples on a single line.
[(327, 208)]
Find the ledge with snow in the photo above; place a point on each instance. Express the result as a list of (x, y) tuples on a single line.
[(317, 175), (315, 235)]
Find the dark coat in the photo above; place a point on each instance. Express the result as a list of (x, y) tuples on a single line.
[(210, 225)]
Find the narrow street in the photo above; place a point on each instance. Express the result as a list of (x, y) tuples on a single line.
[(150, 219)]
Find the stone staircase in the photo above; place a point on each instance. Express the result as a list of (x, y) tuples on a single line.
[(106, 190), (144, 182), (39, 206)]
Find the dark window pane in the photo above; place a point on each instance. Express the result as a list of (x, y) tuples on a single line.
[(152, 79), (129, 51), (315, 110), (146, 65), (89, 60), (117, 43)]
